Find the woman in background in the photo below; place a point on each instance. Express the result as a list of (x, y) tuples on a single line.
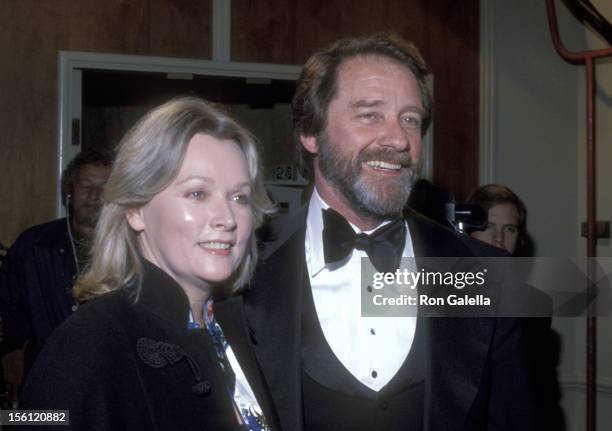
[(148, 350)]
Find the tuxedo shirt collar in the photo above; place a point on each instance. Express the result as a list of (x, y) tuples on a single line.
[(315, 258)]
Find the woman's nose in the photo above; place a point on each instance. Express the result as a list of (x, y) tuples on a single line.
[(223, 216)]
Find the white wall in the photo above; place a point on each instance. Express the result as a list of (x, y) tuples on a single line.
[(536, 136)]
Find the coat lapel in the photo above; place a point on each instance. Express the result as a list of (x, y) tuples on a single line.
[(457, 352), (231, 317), (457, 348), (273, 305)]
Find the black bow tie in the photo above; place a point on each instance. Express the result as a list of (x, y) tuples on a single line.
[(384, 246)]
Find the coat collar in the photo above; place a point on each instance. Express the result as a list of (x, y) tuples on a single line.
[(163, 296), (54, 234), (457, 348), (431, 239)]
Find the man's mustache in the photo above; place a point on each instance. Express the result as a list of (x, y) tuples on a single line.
[(387, 155), (89, 207)]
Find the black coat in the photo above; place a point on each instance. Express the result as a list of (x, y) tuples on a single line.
[(120, 365), (477, 376), (36, 297)]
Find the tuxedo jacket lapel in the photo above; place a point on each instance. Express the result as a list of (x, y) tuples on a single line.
[(457, 348), (231, 316), (457, 353), (273, 307)]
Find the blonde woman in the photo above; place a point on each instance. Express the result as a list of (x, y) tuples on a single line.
[(148, 350)]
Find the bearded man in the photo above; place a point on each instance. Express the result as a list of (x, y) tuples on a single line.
[(360, 111)]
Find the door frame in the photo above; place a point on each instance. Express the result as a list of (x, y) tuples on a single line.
[(72, 63)]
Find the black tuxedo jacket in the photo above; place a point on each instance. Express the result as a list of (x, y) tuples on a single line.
[(476, 374)]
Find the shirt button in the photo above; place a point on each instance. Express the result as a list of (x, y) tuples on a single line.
[(61, 250), (374, 374), (75, 307), (383, 405)]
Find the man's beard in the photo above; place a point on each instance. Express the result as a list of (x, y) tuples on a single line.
[(87, 215), (378, 198)]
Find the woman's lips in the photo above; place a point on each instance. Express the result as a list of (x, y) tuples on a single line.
[(220, 248)]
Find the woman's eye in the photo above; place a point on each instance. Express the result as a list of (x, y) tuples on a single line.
[(197, 195), (241, 199)]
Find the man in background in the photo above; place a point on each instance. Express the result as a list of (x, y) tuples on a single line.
[(506, 218), (506, 229), (44, 261)]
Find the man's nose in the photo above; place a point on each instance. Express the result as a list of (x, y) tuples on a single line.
[(395, 136), (498, 237), (94, 193)]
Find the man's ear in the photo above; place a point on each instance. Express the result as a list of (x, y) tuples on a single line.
[(135, 219), (310, 144)]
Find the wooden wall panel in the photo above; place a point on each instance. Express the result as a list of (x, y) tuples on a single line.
[(289, 31), (325, 22), (181, 28), (278, 31), (117, 26), (27, 77), (32, 32), (453, 55), (264, 31)]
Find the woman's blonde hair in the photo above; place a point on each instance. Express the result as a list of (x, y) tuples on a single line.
[(148, 159)]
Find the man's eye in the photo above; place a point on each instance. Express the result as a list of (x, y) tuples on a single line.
[(411, 122), (369, 116), (241, 199)]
